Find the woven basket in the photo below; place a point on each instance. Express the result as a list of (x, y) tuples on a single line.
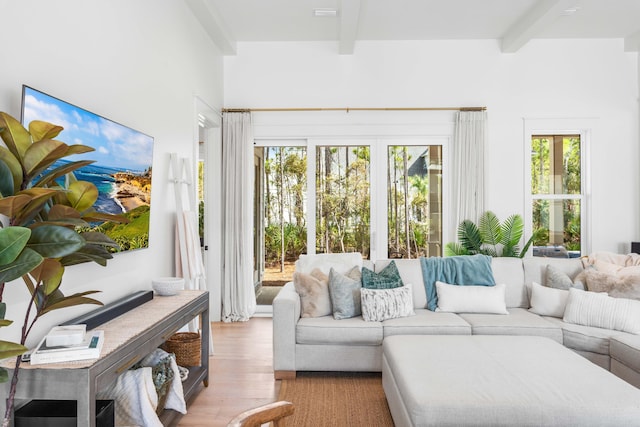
[(186, 347)]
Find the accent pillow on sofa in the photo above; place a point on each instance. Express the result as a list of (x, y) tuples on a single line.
[(314, 293), (344, 291), (388, 278), (471, 299), (547, 301), (555, 278), (602, 311), (383, 304), (615, 285)]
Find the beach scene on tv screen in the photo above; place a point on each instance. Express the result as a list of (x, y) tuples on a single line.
[(122, 167)]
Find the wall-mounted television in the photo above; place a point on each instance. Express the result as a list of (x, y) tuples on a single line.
[(123, 162)]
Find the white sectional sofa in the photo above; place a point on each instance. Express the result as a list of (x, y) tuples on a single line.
[(326, 344)]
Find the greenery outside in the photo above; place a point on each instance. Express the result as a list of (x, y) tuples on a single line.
[(556, 188), (343, 201)]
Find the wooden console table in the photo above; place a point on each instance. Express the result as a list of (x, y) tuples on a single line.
[(128, 338)]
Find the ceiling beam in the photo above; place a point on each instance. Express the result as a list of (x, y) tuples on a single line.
[(206, 13), (543, 13), (349, 20), (632, 42)]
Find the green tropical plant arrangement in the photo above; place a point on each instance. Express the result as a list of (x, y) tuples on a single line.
[(490, 237), (45, 226)]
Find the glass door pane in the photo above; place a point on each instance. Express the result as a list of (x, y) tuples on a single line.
[(283, 204), (414, 201), (343, 199)]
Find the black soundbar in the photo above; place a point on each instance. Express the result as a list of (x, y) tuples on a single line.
[(111, 311)]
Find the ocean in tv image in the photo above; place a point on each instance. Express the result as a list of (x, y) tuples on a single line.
[(122, 167), (104, 179)]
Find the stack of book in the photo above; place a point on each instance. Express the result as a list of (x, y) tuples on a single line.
[(67, 344)]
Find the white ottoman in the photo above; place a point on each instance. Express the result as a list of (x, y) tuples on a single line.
[(484, 380)]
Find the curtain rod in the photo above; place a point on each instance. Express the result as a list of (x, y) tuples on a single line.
[(347, 109)]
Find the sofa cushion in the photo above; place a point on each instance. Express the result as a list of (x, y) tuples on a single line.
[(509, 271), (602, 311), (518, 322), (344, 291), (584, 338), (471, 299), (548, 301), (427, 322), (410, 272), (387, 278), (327, 330), (383, 304), (314, 293), (625, 348), (535, 268)]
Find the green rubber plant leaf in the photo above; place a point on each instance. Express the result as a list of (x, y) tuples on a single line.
[(70, 301), (38, 198), (82, 195), (6, 180), (98, 238), (13, 205), (93, 216), (14, 165), (11, 349), (15, 136), (49, 273), (78, 149), (3, 310), (54, 241), (12, 241), (42, 154), (26, 261), (56, 173), (87, 255), (40, 130), (59, 212)]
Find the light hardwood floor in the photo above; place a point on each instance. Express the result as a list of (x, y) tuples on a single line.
[(240, 375)]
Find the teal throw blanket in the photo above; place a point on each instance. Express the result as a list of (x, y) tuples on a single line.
[(455, 270)]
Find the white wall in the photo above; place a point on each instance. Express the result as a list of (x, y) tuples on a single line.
[(579, 79), (139, 63)]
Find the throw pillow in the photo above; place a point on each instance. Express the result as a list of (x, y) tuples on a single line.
[(344, 291), (383, 304), (615, 285), (557, 279), (547, 301), (314, 293), (471, 298), (388, 278), (602, 311)]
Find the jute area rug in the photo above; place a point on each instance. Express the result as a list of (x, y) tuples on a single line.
[(327, 399)]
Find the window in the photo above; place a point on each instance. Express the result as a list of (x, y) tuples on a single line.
[(414, 197), (381, 197), (557, 195), (343, 209)]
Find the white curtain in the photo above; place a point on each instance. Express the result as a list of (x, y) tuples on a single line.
[(468, 166), (238, 295)]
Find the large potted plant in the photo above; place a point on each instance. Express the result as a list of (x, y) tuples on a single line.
[(46, 225), (491, 237)]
